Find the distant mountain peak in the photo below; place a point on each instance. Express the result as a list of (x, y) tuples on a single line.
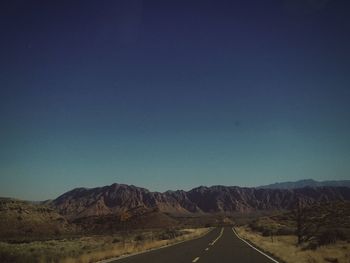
[(306, 183)]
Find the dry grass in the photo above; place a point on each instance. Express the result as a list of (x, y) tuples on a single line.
[(284, 248), (136, 247), (94, 248)]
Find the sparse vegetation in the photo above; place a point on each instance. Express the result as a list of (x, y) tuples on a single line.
[(284, 248), (315, 225), (93, 248), (319, 233), (21, 221)]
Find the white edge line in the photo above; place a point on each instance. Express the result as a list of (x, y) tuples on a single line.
[(274, 260), (152, 249)]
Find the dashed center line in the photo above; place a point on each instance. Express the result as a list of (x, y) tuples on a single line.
[(212, 243), (195, 260)]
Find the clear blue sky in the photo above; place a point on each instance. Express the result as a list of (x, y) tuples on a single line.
[(172, 94)]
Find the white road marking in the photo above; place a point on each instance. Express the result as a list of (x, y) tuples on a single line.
[(221, 232), (195, 260), (152, 249), (274, 260), (207, 249)]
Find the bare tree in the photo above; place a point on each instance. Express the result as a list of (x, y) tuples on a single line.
[(300, 217), (307, 225)]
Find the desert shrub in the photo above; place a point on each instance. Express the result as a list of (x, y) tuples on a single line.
[(115, 240), (169, 234), (255, 226), (268, 232), (284, 231), (140, 237), (7, 256), (266, 229), (330, 236), (313, 245)]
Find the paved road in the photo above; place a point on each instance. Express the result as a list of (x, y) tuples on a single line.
[(220, 245)]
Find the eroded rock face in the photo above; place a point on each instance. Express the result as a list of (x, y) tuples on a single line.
[(118, 198)]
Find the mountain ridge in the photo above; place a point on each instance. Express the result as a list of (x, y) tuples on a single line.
[(121, 198), (305, 183)]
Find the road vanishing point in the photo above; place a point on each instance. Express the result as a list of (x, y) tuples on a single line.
[(220, 245)]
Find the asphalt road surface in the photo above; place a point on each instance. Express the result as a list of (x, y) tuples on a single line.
[(218, 246)]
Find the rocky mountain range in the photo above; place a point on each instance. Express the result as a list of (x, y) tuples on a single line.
[(120, 207), (128, 199)]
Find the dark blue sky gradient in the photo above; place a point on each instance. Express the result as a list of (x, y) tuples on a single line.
[(172, 94)]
